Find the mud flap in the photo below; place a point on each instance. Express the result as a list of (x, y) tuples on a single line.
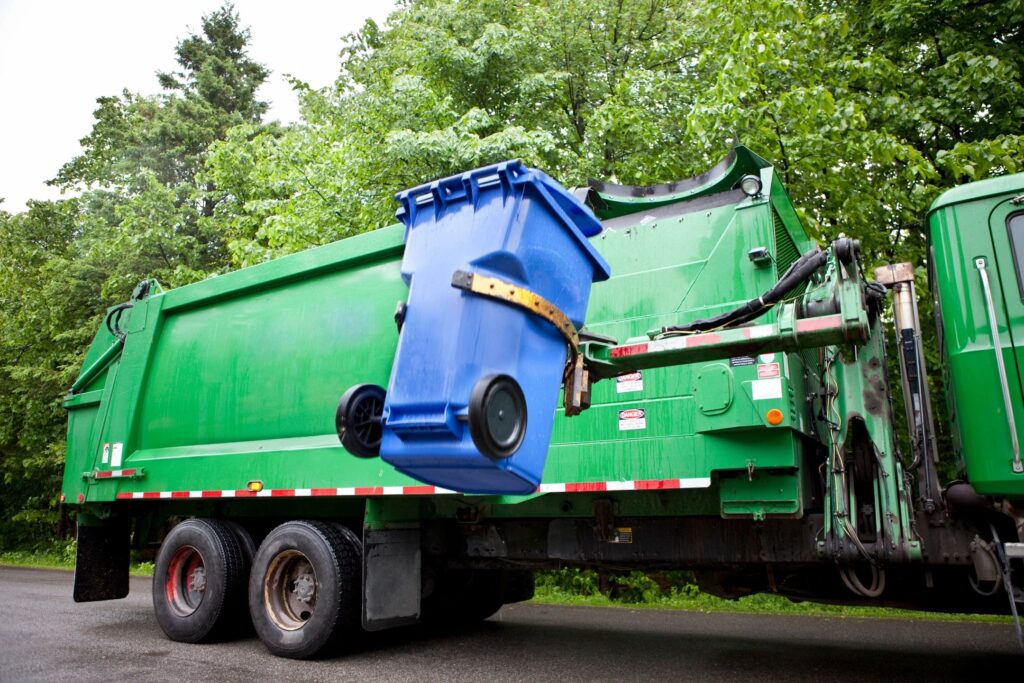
[(101, 565), (391, 578)]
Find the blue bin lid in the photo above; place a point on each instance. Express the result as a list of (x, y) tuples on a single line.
[(574, 214)]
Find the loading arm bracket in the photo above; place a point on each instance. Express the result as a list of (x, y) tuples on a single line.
[(834, 311), (575, 376)]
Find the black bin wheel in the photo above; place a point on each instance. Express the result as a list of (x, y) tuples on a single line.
[(497, 416), (359, 420)]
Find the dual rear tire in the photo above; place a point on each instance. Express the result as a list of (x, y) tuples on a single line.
[(301, 590), (302, 587)]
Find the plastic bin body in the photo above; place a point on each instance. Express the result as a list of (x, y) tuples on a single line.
[(509, 222)]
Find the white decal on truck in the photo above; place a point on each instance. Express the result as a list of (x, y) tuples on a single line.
[(764, 389), (633, 418), (631, 381)]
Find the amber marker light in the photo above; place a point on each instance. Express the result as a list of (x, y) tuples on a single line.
[(255, 486), (774, 417)]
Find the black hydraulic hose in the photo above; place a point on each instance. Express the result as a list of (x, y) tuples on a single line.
[(113, 320), (798, 272)]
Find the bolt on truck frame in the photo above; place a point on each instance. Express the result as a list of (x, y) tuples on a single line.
[(727, 409)]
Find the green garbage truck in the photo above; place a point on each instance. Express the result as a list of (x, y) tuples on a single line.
[(726, 407)]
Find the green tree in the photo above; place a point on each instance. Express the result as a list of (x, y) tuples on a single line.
[(167, 135), (868, 109), (142, 213), (581, 89)]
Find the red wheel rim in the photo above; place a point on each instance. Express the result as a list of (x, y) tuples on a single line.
[(185, 583)]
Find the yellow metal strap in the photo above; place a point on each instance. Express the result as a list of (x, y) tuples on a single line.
[(575, 376), (495, 288)]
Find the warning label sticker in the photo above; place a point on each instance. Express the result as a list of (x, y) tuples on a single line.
[(767, 370), (739, 361), (634, 418), (631, 381), (622, 534), (764, 389)]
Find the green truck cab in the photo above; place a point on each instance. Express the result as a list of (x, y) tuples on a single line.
[(976, 234)]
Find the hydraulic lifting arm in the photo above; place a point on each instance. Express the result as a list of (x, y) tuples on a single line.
[(833, 311)]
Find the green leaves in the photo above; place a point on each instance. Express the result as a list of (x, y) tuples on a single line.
[(968, 161), (142, 213)]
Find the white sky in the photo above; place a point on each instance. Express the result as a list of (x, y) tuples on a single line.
[(58, 56)]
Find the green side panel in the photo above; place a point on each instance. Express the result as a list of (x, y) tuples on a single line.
[(689, 421), (760, 495), (237, 378), (965, 224)]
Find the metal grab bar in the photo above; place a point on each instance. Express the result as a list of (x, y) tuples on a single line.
[(979, 263)]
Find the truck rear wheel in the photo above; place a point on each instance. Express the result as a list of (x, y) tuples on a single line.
[(305, 589), (199, 582), (246, 545)]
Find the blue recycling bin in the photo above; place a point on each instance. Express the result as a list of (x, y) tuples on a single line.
[(475, 382)]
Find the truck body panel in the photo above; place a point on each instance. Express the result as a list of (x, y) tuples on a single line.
[(235, 379)]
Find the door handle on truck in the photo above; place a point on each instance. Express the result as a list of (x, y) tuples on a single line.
[(979, 263)]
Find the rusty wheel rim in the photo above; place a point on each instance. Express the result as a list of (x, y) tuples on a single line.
[(290, 590)]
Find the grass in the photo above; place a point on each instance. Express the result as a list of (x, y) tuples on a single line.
[(688, 597), (58, 556)]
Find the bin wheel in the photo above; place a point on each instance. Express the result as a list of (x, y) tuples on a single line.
[(497, 416), (199, 582), (305, 590), (359, 420)]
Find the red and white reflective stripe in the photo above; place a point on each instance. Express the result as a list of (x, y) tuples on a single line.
[(289, 493), (572, 487), (633, 485), (825, 322), (109, 474), (666, 344), (690, 341)]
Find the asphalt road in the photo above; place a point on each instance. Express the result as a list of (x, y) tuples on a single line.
[(45, 636)]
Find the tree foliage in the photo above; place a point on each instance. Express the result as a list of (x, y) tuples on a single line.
[(867, 108), (142, 212)]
